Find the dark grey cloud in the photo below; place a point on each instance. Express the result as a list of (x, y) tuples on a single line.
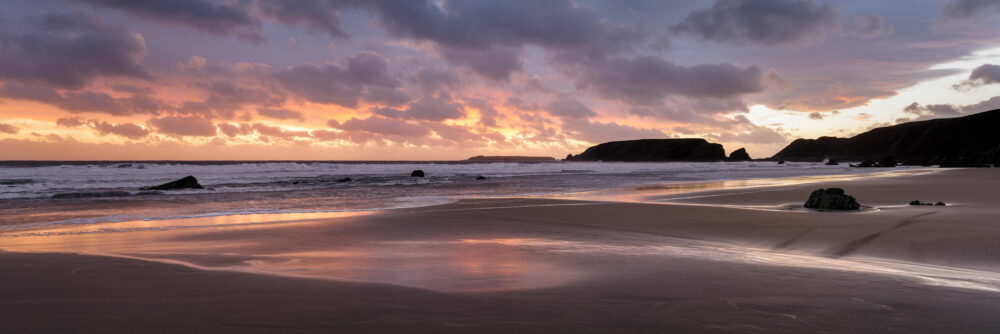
[(192, 126), (983, 75), (569, 108), (70, 50), (872, 26), (495, 63), (964, 9), (932, 109), (343, 85), (127, 130), (280, 113), (317, 16), (203, 15), (815, 115), (648, 79), (82, 101), (225, 98), (427, 109), (7, 128), (434, 80), (763, 22)]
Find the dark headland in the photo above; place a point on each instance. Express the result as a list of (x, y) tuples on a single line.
[(684, 149), (962, 141), (508, 158)]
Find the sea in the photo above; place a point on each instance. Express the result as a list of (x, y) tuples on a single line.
[(47, 193)]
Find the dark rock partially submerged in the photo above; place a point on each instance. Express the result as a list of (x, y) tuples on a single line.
[(832, 162), (684, 149), (831, 199), (417, 173), (739, 155), (187, 182), (346, 179)]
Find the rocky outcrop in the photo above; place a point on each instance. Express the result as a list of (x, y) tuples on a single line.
[(831, 162), (417, 173), (482, 158), (739, 155), (968, 140), (187, 182), (688, 149), (831, 199)]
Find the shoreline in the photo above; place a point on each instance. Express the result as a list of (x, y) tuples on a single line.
[(689, 263)]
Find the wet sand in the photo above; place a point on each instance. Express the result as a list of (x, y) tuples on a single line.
[(738, 260)]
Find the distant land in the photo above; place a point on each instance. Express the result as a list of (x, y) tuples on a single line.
[(680, 149), (961, 141), (508, 158)]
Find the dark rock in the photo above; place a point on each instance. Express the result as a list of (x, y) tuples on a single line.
[(864, 164), (915, 202), (480, 177), (968, 140), (124, 166), (832, 162), (417, 173), (687, 149), (887, 162), (781, 162), (98, 194), (569, 157), (347, 179), (739, 155), (940, 204), (187, 182), (831, 199)]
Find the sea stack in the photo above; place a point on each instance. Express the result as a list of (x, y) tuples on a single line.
[(739, 155)]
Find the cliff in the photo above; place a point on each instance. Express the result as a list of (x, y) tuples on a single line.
[(688, 149), (972, 139)]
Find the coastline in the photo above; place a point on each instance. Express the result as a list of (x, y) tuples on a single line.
[(695, 262)]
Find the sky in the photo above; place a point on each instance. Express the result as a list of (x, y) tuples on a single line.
[(450, 79)]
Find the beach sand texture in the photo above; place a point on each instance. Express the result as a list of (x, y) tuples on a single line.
[(733, 260)]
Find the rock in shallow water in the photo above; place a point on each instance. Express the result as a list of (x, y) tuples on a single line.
[(831, 199), (187, 182), (417, 173)]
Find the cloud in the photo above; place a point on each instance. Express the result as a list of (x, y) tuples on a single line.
[(277, 131), (428, 109), (597, 132), (815, 115), (234, 130), (434, 80), (70, 50), (496, 63), (872, 26), (317, 16), (648, 79), (7, 128), (964, 9), (193, 126), (338, 84), (983, 75), (763, 22), (932, 109), (382, 126), (986, 105), (283, 114), (70, 122), (202, 15), (754, 135), (83, 101), (127, 130), (569, 108)]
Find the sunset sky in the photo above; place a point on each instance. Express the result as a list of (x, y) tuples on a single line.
[(426, 80)]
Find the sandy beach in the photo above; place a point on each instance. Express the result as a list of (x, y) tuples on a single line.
[(729, 260)]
